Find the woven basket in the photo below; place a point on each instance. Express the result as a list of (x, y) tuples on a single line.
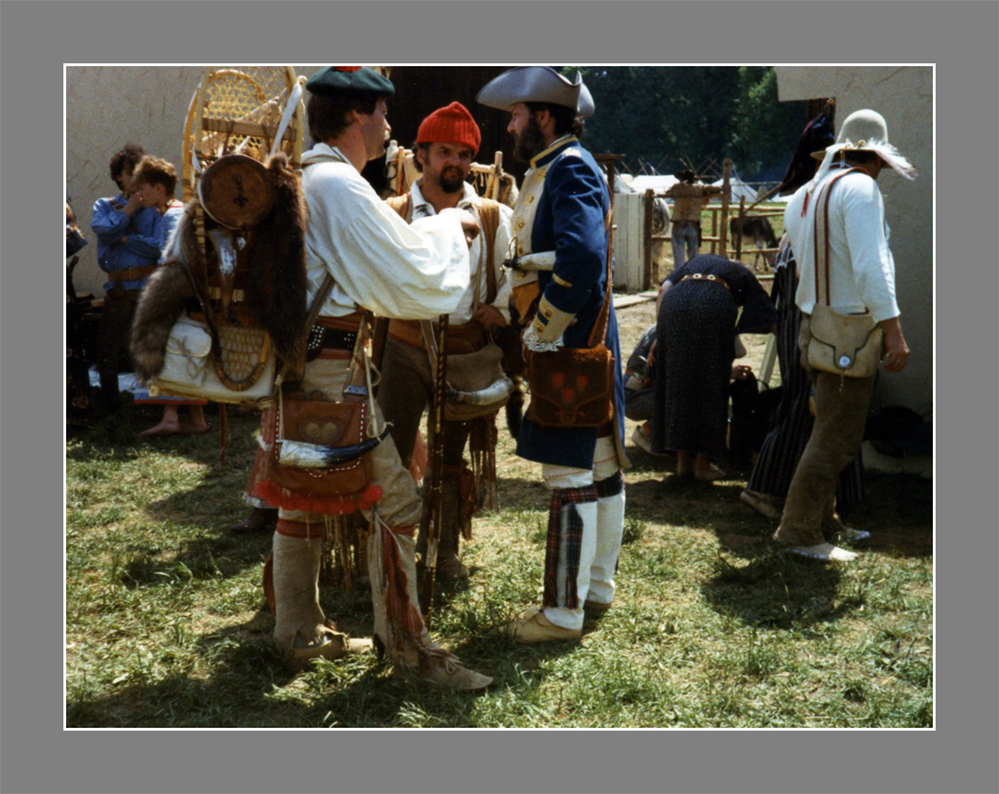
[(243, 351)]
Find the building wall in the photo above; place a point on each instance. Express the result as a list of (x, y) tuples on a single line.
[(108, 106), (904, 96)]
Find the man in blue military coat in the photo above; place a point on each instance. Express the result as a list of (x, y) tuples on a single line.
[(562, 215)]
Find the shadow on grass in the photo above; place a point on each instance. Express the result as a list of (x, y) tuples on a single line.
[(776, 590), (245, 685), (199, 559), (119, 434)]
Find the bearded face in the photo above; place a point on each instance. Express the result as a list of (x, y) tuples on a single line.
[(528, 140), (446, 165)]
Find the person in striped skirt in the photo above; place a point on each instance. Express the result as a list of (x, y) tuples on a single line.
[(782, 448)]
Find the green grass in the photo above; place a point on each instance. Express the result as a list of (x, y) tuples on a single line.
[(712, 625)]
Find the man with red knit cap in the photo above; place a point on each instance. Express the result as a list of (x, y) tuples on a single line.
[(446, 143)]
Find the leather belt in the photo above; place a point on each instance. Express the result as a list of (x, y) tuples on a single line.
[(461, 338), (131, 273), (685, 222), (707, 277), (333, 333), (328, 339)]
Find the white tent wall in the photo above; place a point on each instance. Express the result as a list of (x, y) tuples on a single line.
[(738, 190), (904, 96)]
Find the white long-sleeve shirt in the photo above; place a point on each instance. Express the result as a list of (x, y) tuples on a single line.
[(377, 260), (421, 208), (861, 267)]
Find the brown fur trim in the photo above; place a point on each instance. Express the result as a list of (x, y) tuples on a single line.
[(276, 285), (160, 304), (275, 278)]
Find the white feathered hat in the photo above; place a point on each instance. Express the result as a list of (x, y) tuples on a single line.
[(536, 84), (865, 131)]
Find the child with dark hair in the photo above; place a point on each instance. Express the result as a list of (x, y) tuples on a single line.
[(154, 181)]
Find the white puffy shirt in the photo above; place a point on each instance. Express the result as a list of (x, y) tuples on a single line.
[(378, 261), (421, 208), (861, 267)]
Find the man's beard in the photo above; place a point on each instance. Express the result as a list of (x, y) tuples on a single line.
[(451, 180), (529, 142)]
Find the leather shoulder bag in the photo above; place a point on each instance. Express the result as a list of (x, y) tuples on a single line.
[(573, 387), (843, 344)]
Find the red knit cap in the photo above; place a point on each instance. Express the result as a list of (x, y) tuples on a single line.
[(453, 124)]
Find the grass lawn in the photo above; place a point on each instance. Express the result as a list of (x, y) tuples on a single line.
[(713, 626)]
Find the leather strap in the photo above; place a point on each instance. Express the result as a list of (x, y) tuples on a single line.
[(131, 273), (599, 332), (822, 235)]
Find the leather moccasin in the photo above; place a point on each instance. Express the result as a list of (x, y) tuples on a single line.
[(451, 567), (761, 503), (535, 627), (599, 606), (336, 645), (446, 671)]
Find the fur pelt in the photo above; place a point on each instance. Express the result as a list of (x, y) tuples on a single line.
[(275, 284), (508, 191)]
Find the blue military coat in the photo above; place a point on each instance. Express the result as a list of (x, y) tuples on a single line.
[(562, 207)]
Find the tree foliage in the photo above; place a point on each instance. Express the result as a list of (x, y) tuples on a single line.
[(671, 116)]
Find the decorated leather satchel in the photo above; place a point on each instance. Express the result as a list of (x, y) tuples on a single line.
[(318, 451), (843, 344), (572, 387)]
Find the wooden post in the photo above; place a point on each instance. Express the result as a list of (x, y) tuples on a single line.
[(738, 241), (726, 196), (647, 277), (493, 182)]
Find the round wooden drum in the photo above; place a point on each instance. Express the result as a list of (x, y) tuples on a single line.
[(236, 192)]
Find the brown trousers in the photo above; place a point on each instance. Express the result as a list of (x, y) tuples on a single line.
[(841, 406), (406, 391)]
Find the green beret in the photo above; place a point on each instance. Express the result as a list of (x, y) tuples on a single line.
[(358, 80)]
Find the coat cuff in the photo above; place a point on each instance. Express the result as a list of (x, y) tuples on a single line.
[(549, 322), (535, 345)]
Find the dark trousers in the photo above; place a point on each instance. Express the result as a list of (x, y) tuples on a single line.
[(406, 391), (112, 339)]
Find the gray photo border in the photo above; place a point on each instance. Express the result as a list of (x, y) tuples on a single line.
[(38, 755)]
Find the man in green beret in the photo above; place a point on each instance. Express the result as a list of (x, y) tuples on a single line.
[(397, 270)]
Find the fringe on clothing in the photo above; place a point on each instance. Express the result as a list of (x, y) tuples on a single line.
[(482, 440), (277, 496), (563, 513), (345, 551), (403, 617), (468, 504)]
